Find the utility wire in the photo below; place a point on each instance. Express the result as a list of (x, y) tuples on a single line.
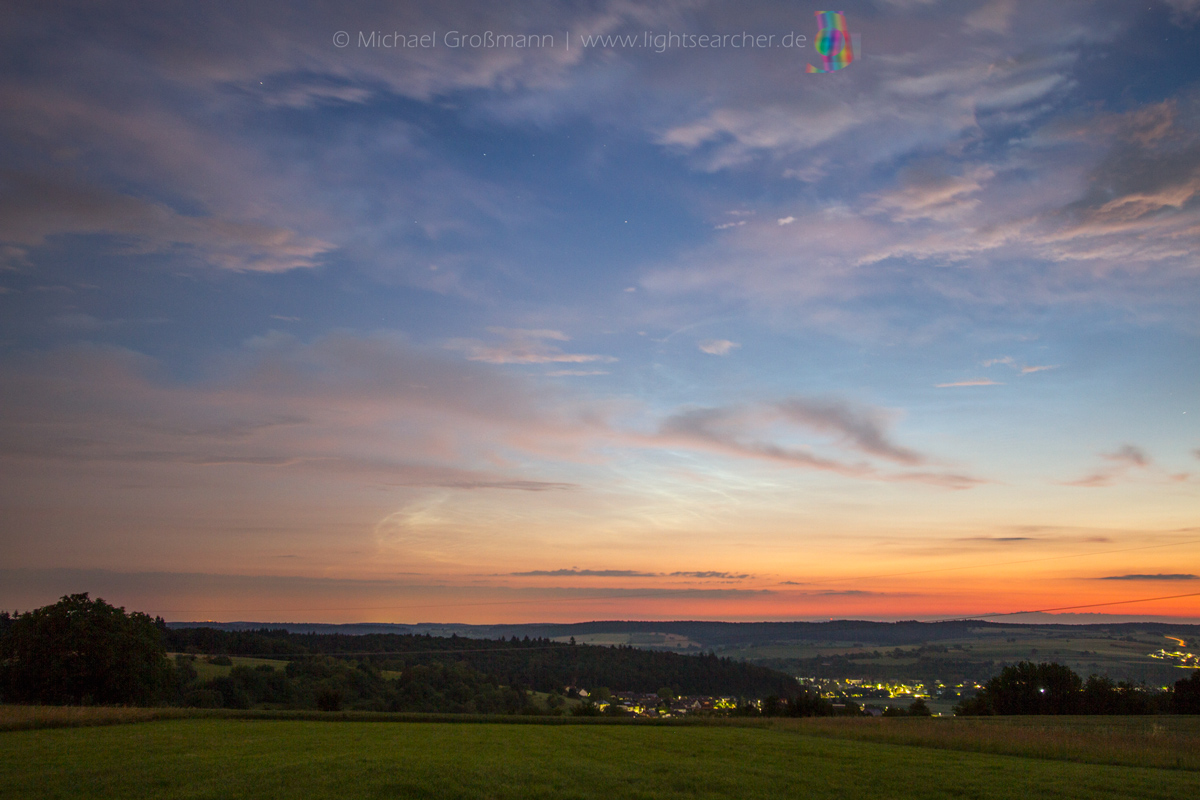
[(1065, 608), (1001, 563)]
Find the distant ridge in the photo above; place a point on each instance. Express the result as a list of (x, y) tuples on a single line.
[(699, 633)]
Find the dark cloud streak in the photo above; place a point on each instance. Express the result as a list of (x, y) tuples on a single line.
[(1161, 576)]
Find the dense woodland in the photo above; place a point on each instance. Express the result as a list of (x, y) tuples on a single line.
[(86, 651)]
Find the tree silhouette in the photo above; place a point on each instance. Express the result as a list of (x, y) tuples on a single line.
[(1187, 695), (1029, 688), (82, 651)]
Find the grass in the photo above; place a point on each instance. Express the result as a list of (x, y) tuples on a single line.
[(1171, 742), (17, 718), (1165, 742), (235, 758)]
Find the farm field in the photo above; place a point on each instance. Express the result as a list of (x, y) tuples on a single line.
[(207, 671), (1120, 655), (646, 641), (230, 757)]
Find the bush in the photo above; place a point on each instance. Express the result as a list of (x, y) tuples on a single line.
[(329, 699), (586, 709), (204, 698), (809, 704), (919, 708)]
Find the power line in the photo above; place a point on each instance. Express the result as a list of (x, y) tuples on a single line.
[(561, 645), (1066, 608), (1001, 563)]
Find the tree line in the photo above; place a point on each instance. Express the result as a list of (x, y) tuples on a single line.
[(535, 663), (1028, 688), (82, 651)]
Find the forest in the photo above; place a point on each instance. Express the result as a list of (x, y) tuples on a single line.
[(85, 651)]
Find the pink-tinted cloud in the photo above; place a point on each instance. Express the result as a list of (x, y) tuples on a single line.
[(741, 432), (971, 382), (372, 407), (861, 427), (926, 195), (34, 208), (525, 347), (1120, 462), (723, 429), (1113, 218), (718, 347)]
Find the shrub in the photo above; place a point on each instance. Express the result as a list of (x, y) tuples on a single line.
[(329, 699), (204, 698)]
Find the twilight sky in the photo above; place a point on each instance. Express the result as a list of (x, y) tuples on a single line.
[(592, 330)]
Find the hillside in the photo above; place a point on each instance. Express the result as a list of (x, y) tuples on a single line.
[(535, 663), (951, 651)]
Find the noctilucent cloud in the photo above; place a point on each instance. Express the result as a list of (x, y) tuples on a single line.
[(554, 311)]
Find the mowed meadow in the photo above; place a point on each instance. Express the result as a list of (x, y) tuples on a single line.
[(51, 753)]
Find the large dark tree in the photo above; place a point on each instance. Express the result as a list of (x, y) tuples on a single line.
[(1029, 688), (1187, 695), (82, 651)]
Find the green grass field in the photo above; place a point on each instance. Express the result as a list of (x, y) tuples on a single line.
[(206, 671), (227, 757)]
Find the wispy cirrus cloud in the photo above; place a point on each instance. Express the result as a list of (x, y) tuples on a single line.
[(726, 429), (34, 208), (1118, 464), (1119, 224), (741, 431), (971, 382), (340, 405), (1184, 12), (718, 347), (519, 346), (1024, 369), (863, 427), (927, 195)]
